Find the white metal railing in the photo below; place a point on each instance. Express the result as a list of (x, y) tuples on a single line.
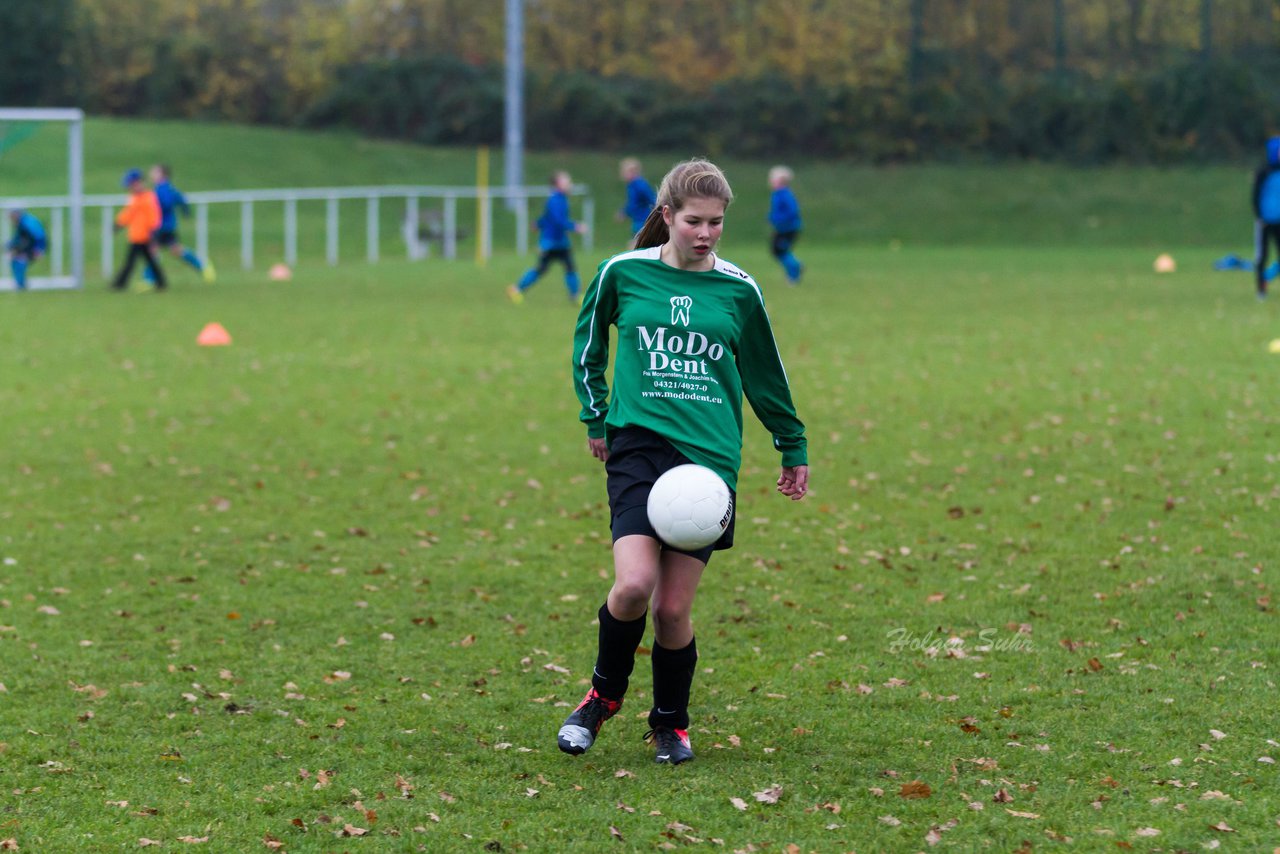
[(412, 195), (74, 119)]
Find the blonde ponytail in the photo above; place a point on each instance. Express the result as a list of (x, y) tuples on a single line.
[(692, 179)]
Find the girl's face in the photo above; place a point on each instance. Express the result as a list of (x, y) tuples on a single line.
[(695, 230)]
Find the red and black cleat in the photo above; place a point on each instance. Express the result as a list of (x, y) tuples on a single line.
[(673, 745), (580, 729)]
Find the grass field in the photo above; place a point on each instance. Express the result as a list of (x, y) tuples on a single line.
[(328, 580)]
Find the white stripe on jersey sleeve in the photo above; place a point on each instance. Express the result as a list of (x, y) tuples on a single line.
[(652, 253), (723, 266)]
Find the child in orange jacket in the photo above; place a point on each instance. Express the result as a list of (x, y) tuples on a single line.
[(140, 217)]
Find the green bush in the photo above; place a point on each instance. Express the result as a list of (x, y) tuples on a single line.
[(1186, 110), (433, 101)]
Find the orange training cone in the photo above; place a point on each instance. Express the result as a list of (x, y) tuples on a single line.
[(213, 335)]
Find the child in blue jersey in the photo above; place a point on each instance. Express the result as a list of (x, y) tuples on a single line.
[(172, 202), (1266, 212), (640, 195), (554, 227), (784, 217), (27, 245)]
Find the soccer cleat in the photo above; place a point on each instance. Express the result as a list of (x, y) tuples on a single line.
[(208, 272), (673, 745), (583, 725), (516, 295)]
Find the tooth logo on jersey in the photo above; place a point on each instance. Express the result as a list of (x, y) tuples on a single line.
[(680, 310)]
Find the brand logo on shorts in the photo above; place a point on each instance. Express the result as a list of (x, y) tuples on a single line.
[(680, 310)]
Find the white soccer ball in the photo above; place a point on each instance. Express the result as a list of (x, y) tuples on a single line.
[(690, 507)]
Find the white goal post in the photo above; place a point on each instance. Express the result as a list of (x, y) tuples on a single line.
[(54, 275)]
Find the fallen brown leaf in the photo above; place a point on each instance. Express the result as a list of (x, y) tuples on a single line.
[(94, 692), (914, 790), (934, 836), (769, 795)]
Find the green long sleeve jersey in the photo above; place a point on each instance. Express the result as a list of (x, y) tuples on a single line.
[(690, 345)]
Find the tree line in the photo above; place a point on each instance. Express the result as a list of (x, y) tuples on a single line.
[(876, 79)]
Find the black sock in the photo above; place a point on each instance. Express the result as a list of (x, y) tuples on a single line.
[(672, 680), (617, 653)]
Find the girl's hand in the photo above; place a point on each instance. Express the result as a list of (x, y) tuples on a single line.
[(598, 449), (794, 482)]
